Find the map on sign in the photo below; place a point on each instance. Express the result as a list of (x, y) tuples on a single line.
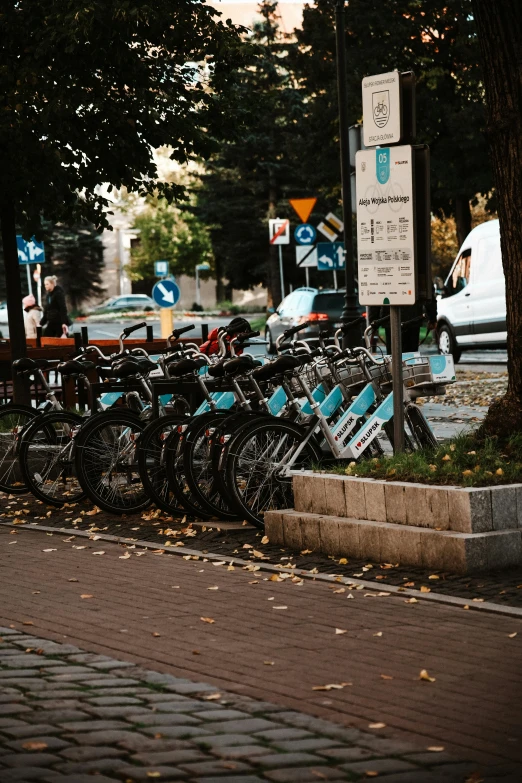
[(279, 231), (166, 293), (385, 227), (31, 252)]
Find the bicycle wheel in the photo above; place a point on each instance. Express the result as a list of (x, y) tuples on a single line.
[(255, 467), (13, 420), (151, 463), (176, 476), (107, 463), (197, 462), (47, 458), (420, 429)]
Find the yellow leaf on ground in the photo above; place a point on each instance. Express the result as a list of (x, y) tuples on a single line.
[(465, 607), (332, 686), (207, 620), (230, 567), (376, 725), (386, 677), (212, 697), (268, 663), (478, 600), (339, 631), (86, 595), (155, 633), (94, 511), (343, 561), (50, 550), (425, 676), (446, 458), (379, 633), (306, 551), (280, 607), (265, 540), (101, 552), (274, 578), (34, 745), (411, 601), (433, 576), (499, 472), (409, 584), (512, 635), (256, 553), (436, 748), (125, 556), (340, 590), (214, 587), (425, 589), (371, 773)]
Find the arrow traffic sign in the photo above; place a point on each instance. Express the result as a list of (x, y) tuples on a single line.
[(279, 231), (330, 256), (305, 234), (303, 207), (31, 252), (166, 293)]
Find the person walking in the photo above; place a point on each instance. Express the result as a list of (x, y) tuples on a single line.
[(32, 315), (55, 318)]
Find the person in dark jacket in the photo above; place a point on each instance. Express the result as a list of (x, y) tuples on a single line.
[(55, 318)]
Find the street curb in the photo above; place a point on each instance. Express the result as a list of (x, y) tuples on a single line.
[(486, 606)]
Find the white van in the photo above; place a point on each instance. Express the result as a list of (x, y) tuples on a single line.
[(472, 310)]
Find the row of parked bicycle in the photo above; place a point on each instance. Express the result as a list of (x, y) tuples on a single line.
[(255, 422)]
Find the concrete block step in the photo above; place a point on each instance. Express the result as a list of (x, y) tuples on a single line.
[(388, 542)]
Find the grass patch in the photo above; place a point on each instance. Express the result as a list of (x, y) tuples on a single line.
[(463, 461), (258, 324)]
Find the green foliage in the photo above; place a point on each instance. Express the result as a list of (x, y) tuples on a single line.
[(465, 460), (170, 234), (87, 91)]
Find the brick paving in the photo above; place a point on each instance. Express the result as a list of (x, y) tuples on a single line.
[(272, 642), (503, 587)]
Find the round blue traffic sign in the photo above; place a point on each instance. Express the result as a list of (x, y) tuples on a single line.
[(305, 234), (166, 293)]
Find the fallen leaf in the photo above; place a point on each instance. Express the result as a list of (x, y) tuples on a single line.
[(268, 663), (94, 511), (512, 635), (409, 584), (86, 595), (78, 547), (425, 676), (371, 773), (446, 458), (386, 677), (207, 620), (212, 697), (343, 561), (259, 554), (27, 622), (433, 576), (230, 567), (411, 601), (152, 774), (36, 592), (196, 652), (125, 556), (499, 472), (425, 589), (72, 580), (332, 686), (101, 552), (34, 745), (340, 590), (306, 551), (436, 748), (379, 633), (465, 607), (376, 725), (49, 550), (265, 540), (247, 546), (155, 633), (215, 587), (339, 631), (220, 563), (280, 607)]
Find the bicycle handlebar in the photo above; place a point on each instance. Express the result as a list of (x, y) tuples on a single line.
[(130, 329), (295, 329), (176, 333)]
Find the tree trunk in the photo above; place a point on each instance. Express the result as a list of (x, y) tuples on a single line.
[(499, 24), (462, 218), (220, 286), (13, 286), (274, 279)]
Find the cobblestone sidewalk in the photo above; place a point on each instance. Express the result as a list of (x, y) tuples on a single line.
[(75, 717)]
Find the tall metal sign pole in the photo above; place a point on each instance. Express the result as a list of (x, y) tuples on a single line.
[(351, 338)]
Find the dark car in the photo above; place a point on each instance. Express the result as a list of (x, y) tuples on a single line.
[(322, 307)]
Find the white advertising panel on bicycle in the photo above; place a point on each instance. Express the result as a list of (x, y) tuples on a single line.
[(385, 226)]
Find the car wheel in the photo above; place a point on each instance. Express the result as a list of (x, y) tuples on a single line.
[(447, 343), (268, 337)]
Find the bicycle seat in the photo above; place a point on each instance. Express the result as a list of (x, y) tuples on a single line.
[(276, 367), (22, 365), (185, 366), (240, 364), (75, 367), (133, 367)]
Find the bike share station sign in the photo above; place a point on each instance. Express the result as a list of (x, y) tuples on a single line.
[(393, 219)]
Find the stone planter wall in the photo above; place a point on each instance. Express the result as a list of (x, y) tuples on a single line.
[(449, 528)]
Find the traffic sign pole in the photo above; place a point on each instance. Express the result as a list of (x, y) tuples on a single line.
[(29, 284), (281, 273), (166, 322), (398, 388)]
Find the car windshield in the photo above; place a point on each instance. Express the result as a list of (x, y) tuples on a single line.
[(329, 303)]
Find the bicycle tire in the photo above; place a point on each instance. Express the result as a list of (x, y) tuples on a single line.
[(47, 458), (197, 460), (174, 465), (152, 466), (14, 419), (106, 462), (420, 429), (255, 482)]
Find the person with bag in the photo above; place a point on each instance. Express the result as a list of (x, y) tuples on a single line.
[(55, 318), (32, 315)]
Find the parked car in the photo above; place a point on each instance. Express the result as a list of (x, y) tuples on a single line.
[(128, 302), (322, 307), (472, 309)]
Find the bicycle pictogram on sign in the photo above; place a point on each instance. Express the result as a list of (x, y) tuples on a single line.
[(381, 107)]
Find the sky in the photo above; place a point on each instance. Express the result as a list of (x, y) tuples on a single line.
[(244, 11)]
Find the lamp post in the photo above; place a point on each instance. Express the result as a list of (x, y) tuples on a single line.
[(351, 338)]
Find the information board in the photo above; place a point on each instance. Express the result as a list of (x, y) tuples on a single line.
[(385, 226)]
